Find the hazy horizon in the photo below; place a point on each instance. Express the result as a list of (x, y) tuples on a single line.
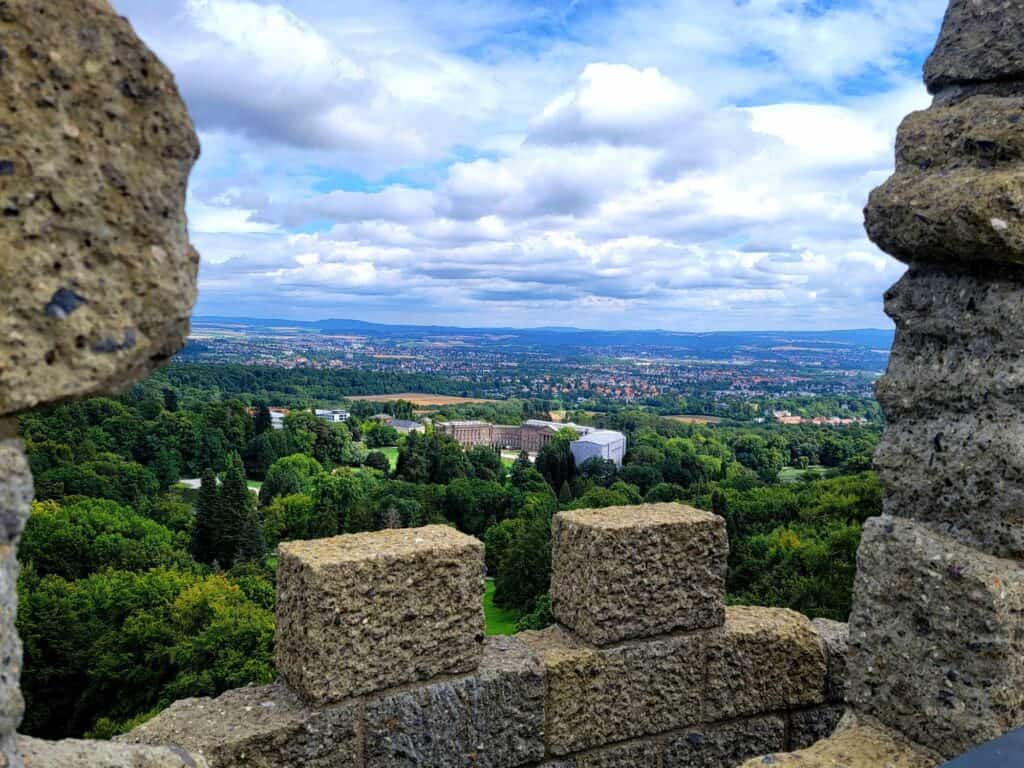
[(677, 164)]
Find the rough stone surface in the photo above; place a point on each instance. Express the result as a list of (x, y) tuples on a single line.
[(597, 696), (629, 572), (766, 659), (726, 746), (364, 612), (102, 754), (808, 726), (980, 40), (256, 727), (95, 151), (836, 636), (15, 502), (953, 453), (958, 188), (493, 718), (858, 743), (936, 640), (637, 754)]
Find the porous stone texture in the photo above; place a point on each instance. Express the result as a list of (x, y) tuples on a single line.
[(937, 637), (95, 151), (765, 659), (596, 696), (953, 453), (103, 754), (364, 612), (836, 637), (256, 727), (726, 746), (492, 719), (15, 502), (623, 573), (808, 726), (957, 192), (637, 754), (980, 40), (858, 743)]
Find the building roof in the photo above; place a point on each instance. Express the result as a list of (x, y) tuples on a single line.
[(602, 437), (404, 424)]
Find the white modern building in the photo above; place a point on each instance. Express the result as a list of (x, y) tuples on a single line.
[(599, 444), (333, 417)]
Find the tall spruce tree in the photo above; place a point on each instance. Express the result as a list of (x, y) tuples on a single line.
[(204, 533), (240, 535)]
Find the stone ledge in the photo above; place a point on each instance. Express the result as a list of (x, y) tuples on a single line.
[(257, 727), (858, 743), (72, 753)]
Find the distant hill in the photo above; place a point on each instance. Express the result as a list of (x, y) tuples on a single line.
[(702, 344)]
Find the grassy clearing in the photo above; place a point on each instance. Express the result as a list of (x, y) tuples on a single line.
[(254, 485), (694, 419), (498, 621), (794, 475)]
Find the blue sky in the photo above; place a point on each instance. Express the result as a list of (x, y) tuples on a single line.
[(683, 164)]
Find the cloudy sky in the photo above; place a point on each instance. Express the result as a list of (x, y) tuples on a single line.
[(682, 164)]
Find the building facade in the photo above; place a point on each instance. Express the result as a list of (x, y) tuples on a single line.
[(534, 434)]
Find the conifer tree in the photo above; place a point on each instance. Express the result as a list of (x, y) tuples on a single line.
[(239, 527), (204, 544)]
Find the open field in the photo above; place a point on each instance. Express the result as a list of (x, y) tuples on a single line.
[(497, 621), (793, 475), (688, 419), (419, 399)]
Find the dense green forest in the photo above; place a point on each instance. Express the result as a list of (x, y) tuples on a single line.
[(138, 589)]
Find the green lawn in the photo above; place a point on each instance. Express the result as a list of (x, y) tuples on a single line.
[(498, 621), (254, 485), (793, 475), (392, 454)]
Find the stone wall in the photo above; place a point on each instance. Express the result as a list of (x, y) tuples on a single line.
[(937, 629), (384, 663), (97, 272)]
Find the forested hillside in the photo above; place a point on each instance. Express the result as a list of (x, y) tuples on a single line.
[(138, 589)]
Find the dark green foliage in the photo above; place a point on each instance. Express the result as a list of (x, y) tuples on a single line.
[(379, 435), (78, 539), (431, 458), (292, 474), (377, 460), (539, 617)]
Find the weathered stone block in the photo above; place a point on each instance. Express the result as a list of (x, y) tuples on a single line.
[(765, 659), (492, 719), (808, 726), (936, 641), (256, 727), (596, 696), (95, 151), (980, 40), (360, 613), (952, 454), (637, 754), (72, 753), (958, 342), (629, 572), (836, 636), (858, 743), (725, 746)]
